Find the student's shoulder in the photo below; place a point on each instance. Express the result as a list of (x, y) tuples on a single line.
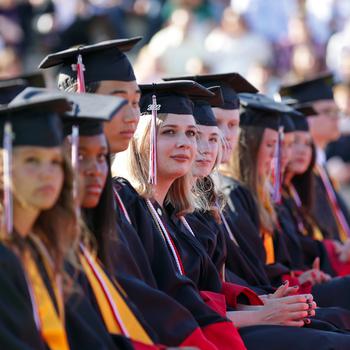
[(125, 188)]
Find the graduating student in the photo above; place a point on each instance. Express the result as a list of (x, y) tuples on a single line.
[(115, 308), (329, 210), (299, 197), (174, 131), (260, 151), (174, 136), (39, 233), (227, 117), (108, 71)]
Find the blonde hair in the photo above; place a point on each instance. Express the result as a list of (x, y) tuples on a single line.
[(133, 164), (243, 167), (208, 197)]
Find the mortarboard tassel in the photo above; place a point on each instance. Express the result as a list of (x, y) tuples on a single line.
[(152, 174), (75, 163), (277, 172), (80, 68), (7, 166)]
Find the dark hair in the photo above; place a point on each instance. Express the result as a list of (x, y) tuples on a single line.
[(70, 84), (304, 183), (101, 221)]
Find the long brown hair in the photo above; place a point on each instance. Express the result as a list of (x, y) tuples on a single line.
[(244, 168), (56, 227)]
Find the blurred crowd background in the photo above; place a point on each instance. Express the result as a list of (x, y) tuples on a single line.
[(268, 41)]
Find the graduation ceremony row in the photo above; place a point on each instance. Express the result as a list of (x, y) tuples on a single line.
[(219, 229)]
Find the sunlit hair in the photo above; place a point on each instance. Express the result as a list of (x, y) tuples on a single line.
[(133, 164), (208, 197), (56, 227), (243, 166)]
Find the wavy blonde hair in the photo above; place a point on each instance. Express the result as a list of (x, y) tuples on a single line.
[(208, 196), (134, 166)]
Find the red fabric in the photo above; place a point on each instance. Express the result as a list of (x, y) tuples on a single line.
[(198, 340), (233, 291), (304, 288), (340, 268), (224, 335), (216, 301)]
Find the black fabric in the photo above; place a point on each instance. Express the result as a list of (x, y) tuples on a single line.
[(136, 277), (168, 279), (340, 148), (318, 88), (87, 111), (280, 337), (322, 212), (311, 248), (103, 61), (288, 123), (204, 115), (10, 88), (260, 110), (172, 97), (35, 123), (17, 326), (231, 84)]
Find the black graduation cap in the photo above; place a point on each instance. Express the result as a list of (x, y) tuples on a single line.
[(260, 110), (88, 111), (318, 88), (305, 109), (202, 111), (10, 88), (231, 84), (288, 123), (172, 97), (35, 123), (102, 61)]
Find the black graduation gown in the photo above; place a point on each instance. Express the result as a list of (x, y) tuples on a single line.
[(135, 275), (17, 326), (242, 216), (164, 270), (83, 326), (198, 267), (215, 326), (306, 249), (322, 211), (242, 211)]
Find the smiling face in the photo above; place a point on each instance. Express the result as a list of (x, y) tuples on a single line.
[(207, 150), (121, 128), (37, 176), (176, 146), (93, 168), (301, 153), (228, 123), (266, 152)]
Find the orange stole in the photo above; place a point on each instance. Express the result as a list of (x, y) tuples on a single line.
[(117, 316), (269, 247), (52, 325)]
